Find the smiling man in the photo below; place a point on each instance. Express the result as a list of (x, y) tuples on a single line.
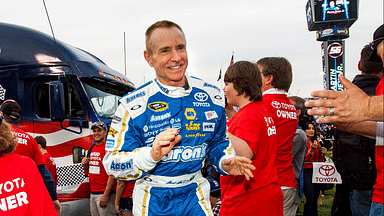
[(162, 131)]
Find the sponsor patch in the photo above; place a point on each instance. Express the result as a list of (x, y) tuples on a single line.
[(211, 86), (211, 115), (208, 126), (201, 96), (109, 144), (160, 117), (185, 153), (136, 107), (192, 126), (141, 94), (112, 132), (122, 166), (190, 113), (158, 106)]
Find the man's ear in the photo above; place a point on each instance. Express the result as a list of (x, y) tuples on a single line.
[(298, 111), (269, 79), (148, 58)]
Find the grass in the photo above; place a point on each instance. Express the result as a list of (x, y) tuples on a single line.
[(323, 209)]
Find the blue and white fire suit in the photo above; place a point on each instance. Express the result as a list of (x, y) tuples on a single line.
[(174, 185)]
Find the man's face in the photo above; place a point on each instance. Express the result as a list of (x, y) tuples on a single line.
[(169, 56), (99, 134)]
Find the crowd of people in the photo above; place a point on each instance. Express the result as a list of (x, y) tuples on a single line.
[(181, 146)]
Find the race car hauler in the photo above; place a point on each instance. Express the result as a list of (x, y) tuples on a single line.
[(62, 90)]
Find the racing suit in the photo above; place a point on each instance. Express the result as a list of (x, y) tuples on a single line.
[(174, 185)]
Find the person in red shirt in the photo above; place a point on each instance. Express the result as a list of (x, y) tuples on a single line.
[(277, 78), (354, 111), (49, 161), (253, 135), (27, 146), (102, 200), (22, 189), (315, 153), (123, 202)]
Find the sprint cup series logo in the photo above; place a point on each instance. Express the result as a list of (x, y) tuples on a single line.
[(158, 106), (335, 50)]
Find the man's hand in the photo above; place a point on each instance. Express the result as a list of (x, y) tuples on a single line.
[(350, 105), (117, 211), (164, 143), (85, 161), (57, 205), (104, 200), (239, 166)]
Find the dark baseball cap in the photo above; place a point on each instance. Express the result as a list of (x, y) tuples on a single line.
[(378, 36), (11, 108), (99, 124)]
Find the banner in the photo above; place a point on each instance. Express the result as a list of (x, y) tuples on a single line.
[(325, 173), (333, 64)]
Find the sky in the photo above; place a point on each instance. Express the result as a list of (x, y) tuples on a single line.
[(214, 29)]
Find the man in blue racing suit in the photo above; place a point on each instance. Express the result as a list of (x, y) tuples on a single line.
[(162, 131)]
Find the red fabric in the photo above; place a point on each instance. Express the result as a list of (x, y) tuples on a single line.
[(285, 117), (262, 193), (380, 87), (22, 189), (27, 145), (97, 176), (378, 188), (51, 166), (128, 190), (314, 157)]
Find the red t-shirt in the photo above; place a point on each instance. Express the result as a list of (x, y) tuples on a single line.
[(98, 178), (380, 87), (22, 190), (285, 117), (262, 194), (128, 190), (314, 157), (51, 166), (378, 188), (27, 145)]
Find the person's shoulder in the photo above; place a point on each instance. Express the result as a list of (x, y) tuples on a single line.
[(214, 92), (135, 101), (22, 159)]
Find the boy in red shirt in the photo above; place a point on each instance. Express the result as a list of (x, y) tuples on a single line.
[(49, 161)]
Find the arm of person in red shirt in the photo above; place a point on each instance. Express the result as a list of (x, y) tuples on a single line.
[(119, 192), (105, 197)]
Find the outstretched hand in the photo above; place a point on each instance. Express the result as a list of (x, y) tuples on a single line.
[(239, 166), (164, 143), (349, 105)]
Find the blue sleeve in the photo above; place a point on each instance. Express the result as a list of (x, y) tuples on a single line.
[(48, 181)]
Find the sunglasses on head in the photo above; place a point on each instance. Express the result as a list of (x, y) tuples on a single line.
[(374, 43)]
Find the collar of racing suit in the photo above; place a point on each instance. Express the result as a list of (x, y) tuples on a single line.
[(176, 91)]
